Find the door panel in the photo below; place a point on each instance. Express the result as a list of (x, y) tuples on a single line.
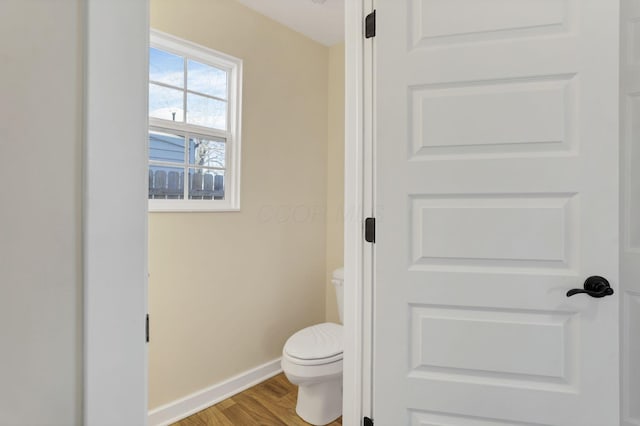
[(449, 21), (496, 186), (526, 116)]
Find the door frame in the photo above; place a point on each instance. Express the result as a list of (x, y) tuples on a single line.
[(358, 204), (114, 211)]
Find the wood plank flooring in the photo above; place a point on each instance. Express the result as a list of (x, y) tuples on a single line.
[(272, 402)]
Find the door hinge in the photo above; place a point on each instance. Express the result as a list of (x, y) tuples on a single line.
[(370, 25), (367, 422), (146, 329), (370, 229)]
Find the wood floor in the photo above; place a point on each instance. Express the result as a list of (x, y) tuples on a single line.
[(270, 403)]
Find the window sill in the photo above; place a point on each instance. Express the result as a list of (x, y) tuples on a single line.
[(190, 206)]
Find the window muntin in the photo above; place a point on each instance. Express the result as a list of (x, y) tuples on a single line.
[(194, 137)]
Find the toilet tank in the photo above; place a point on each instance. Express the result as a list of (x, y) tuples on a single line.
[(338, 282)]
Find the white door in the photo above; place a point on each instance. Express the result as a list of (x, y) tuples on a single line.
[(496, 186)]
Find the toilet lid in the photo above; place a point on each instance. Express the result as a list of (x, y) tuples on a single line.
[(315, 342)]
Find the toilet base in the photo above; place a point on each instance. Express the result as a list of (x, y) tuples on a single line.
[(320, 403)]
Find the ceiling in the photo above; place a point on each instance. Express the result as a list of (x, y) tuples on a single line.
[(320, 21)]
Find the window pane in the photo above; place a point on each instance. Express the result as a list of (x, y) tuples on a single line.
[(206, 184), (166, 147), (208, 152), (206, 79), (165, 103), (166, 182), (206, 112), (166, 67)]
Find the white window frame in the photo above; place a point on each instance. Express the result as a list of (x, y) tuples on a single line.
[(233, 66)]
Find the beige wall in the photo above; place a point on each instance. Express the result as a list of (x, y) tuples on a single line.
[(227, 289), (335, 175), (40, 149)]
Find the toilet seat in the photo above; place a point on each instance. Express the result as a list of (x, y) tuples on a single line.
[(321, 361), (315, 345)]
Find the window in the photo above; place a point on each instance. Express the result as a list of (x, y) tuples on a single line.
[(194, 127)]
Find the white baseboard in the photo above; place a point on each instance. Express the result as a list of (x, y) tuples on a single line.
[(191, 404)]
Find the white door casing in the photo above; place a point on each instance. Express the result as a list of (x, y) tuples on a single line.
[(630, 212), (116, 77), (496, 186)]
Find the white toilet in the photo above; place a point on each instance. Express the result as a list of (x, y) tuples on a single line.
[(312, 359)]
